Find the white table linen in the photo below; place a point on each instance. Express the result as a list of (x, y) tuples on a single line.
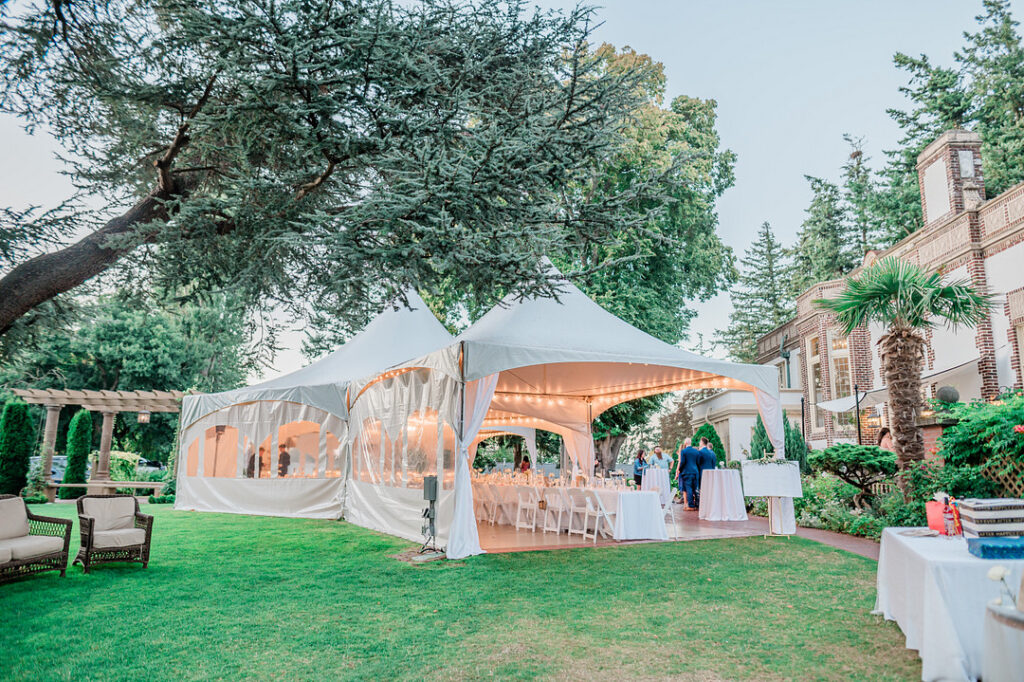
[(721, 496), (938, 592), (1004, 646), (638, 516), (656, 478)]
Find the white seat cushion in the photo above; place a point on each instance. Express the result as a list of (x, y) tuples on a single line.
[(13, 518), (5, 555), (123, 537), (111, 513), (32, 546)]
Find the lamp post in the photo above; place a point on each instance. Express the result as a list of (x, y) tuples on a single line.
[(803, 424), (856, 398)]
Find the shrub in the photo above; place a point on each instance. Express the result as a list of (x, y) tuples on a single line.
[(79, 444), (859, 465), (17, 438), (984, 432), (708, 431), (161, 499)]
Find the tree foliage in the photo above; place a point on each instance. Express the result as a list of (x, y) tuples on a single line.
[(822, 251), (323, 156), (761, 298), (985, 433), (122, 343), (708, 431), (17, 441), (859, 465), (79, 445), (982, 90)]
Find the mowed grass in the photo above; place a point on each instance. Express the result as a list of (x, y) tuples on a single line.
[(241, 597)]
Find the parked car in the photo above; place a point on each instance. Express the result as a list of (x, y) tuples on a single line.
[(148, 465), (60, 463)]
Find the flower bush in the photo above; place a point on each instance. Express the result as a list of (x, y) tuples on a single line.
[(985, 433)]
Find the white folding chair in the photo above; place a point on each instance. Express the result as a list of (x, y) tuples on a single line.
[(501, 511), (602, 514), (555, 509), (488, 503), (578, 504), (526, 510), (669, 512)]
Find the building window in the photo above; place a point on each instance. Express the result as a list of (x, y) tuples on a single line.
[(842, 379), (816, 385)]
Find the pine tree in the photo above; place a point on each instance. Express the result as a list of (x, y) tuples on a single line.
[(796, 447), (708, 431), (761, 299), (79, 446), (760, 444), (858, 195), (17, 438), (822, 250)]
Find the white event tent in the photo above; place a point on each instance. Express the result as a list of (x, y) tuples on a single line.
[(281, 447), (542, 363), (354, 434)]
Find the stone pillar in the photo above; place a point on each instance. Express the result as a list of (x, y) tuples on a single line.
[(102, 470), (49, 444)]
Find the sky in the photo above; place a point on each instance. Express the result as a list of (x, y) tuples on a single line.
[(790, 78)]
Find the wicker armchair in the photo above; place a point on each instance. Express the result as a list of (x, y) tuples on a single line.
[(30, 543), (112, 530)]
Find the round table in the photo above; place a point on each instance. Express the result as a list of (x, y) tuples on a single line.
[(721, 496), (656, 478)]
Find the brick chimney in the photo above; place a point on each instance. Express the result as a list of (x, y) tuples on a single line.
[(949, 174)]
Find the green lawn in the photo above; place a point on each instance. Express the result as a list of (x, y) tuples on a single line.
[(263, 598)]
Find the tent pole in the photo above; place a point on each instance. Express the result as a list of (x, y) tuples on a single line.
[(462, 392)]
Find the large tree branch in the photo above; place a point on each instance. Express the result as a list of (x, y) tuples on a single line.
[(44, 277)]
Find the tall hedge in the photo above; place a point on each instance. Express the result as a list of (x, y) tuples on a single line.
[(17, 438), (708, 431), (78, 449), (760, 444)]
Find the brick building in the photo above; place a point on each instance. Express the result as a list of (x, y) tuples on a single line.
[(965, 236)]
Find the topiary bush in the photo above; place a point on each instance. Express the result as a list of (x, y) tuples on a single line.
[(17, 440), (708, 431), (859, 465), (760, 444), (796, 449), (79, 445)]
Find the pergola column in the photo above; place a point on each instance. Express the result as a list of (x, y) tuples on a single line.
[(49, 445), (102, 471)]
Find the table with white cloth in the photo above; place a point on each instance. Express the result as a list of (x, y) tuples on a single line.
[(656, 478), (638, 515), (721, 496), (938, 593)]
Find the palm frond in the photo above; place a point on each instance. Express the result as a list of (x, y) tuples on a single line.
[(899, 294)]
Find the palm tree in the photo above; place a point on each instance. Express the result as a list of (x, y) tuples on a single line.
[(906, 300)]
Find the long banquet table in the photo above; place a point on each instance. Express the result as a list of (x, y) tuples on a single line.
[(637, 514), (937, 592)]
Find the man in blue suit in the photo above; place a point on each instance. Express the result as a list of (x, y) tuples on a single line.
[(689, 472), (705, 460)]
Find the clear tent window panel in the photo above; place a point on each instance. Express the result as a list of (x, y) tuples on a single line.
[(220, 452)]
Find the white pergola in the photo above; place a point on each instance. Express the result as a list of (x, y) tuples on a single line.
[(108, 403)]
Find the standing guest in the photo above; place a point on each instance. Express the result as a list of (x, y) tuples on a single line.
[(524, 466), (885, 439), (639, 464), (689, 473), (658, 459), (706, 460), (284, 460)]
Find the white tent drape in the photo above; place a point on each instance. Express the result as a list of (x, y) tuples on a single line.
[(463, 539), (770, 408)]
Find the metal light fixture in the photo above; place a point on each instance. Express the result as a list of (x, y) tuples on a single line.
[(143, 416)]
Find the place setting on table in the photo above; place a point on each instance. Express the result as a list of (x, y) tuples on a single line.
[(955, 588)]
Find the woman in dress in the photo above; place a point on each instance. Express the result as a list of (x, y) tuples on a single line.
[(639, 464)]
